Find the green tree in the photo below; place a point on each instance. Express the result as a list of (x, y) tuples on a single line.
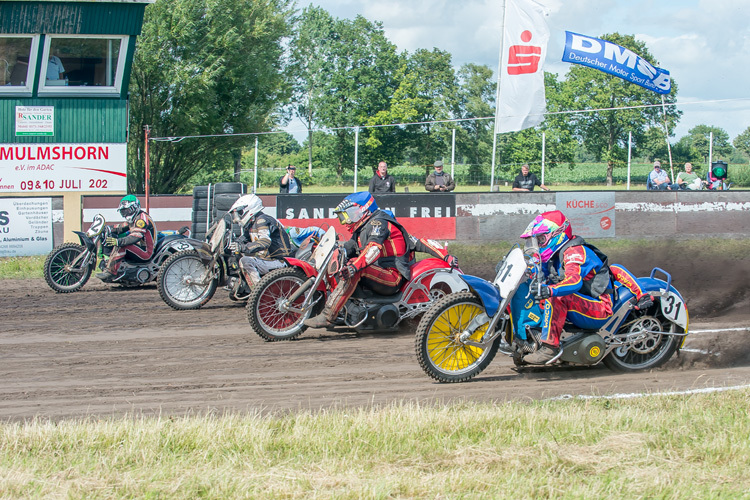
[(476, 95), (742, 141), (699, 138), (605, 133), (202, 68)]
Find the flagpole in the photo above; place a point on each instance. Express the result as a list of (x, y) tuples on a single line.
[(666, 133), (497, 97)]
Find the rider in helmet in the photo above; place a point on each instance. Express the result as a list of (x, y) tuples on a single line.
[(578, 282), (381, 254), (139, 240), (263, 242)]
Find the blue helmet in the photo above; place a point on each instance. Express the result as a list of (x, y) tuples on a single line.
[(355, 209)]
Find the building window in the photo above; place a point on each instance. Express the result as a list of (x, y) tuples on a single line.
[(83, 64), (17, 62)]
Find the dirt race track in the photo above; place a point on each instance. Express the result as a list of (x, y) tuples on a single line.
[(109, 351)]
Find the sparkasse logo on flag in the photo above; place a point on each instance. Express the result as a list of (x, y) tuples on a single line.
[(520, 97)]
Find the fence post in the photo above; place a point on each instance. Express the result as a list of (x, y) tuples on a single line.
[(630, 146), (255, 175), (356, 156), (494, 148), (544, 148), (453, 156)]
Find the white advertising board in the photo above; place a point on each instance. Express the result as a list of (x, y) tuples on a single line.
[(25, 226), (35, 120), (591, 214), (48, 168)]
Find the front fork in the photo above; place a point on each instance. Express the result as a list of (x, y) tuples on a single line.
[(312, 282)]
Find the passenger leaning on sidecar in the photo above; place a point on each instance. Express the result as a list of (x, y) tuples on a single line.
[(139, 240), (381, 251), (264, 239)]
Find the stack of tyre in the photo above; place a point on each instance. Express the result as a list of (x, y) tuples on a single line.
[(212, 202)]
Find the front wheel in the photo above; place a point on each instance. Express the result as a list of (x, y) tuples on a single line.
[(179, 281), (440, 352), (59, 274), (266, 310), (651, 349)]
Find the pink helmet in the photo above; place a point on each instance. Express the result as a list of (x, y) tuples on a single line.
[(551, 230)]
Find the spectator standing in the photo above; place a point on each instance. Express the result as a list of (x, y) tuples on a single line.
[(289, 184), (689, 179), (525, 181), (382, 182), (438, 181), (55, 68), (658, 180)]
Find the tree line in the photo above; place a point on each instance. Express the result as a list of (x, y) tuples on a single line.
[(224, 69)]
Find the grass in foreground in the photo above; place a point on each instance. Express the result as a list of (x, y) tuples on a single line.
[(21, 267), (658, 447)]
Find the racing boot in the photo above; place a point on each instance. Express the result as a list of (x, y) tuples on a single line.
[(542, 355), (106, 276), (319, 321)]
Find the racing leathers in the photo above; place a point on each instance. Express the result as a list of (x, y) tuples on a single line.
[(139, 241), (263, 243), (579, 290)]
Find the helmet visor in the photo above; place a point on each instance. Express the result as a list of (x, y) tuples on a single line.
[(127, 211), (349, 215)]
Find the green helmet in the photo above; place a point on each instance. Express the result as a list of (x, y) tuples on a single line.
[(129, 208)]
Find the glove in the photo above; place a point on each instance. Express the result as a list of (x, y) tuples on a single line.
[(541, 293), (234, 247), (451, 261), (348, 271), (110, 241), (644, 302)]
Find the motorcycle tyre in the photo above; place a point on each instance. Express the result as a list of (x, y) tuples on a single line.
[(422, 340), (254, 317), (169, 298), (661, 356), (50, 261)]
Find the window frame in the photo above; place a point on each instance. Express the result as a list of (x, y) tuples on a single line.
[(27, 89), (59, 90)]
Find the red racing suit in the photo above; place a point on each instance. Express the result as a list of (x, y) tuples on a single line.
[(139, 241), (579, 291)]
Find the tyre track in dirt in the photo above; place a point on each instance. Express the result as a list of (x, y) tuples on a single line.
[(109, 351)]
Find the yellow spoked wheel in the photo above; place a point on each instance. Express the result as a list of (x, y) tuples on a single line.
[(440, 351)]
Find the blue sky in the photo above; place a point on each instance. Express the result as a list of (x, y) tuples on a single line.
[(704, 44)]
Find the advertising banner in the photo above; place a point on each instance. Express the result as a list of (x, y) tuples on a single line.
[(35, 120), (615, 60), (591, 215), (46, 168), (425, 215), (25, 226)]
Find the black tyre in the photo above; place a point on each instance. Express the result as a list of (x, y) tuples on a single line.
[(200, 217), (200, 204), (653, 350), (200, 192), (440, 353), (228, 187), (57, 272), (223, 202), (263, 313), (178, 281)]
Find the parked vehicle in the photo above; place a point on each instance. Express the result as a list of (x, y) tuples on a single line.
[(69, 266), (461, 334), (285, 297)]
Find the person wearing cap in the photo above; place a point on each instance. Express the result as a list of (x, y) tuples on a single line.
[(381, 182), (289, 184), (525, 181), (438, 181), (658, 180)]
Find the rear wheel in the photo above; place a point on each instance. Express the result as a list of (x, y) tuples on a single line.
[(440, 352), (265, 307), (651, 349), (179, 281), (59, 274)]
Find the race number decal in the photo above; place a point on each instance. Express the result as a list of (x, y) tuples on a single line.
[(511, 273), (673, 308)]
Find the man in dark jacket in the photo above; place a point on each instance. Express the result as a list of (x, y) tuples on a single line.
[(525, 181), (438, 181), (289, 184), (381, 182)]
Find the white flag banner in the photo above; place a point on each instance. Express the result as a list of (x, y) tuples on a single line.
[(520, 95)]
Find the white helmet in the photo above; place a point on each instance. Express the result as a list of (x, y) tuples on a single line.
[(247, 207)]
